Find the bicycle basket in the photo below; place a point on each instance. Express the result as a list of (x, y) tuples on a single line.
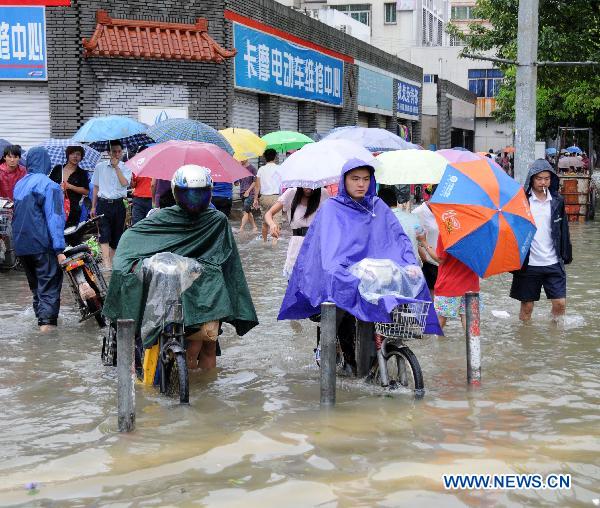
[(408, 321)]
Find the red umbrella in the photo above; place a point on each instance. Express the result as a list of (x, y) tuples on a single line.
[(162, 160)]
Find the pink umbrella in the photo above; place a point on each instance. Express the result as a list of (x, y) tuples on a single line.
[(162, 160), (452, 155), (459, 155)]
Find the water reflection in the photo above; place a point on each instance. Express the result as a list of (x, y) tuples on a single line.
[(254, 434)]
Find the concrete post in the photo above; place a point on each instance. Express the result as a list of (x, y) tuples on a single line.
[(525, 103), (473, 339), (328, 352), (126, 375)]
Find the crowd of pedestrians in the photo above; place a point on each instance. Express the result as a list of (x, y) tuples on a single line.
[(48, 199)]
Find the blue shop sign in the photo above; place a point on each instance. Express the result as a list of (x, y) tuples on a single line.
[(23, 43), (375, 90), (272, 65), (408, 99)]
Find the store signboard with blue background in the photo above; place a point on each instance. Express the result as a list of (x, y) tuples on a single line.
[(375, 90), (272, 65), (408, 99), (23, 43)]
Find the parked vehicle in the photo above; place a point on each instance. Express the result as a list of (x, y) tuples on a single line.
[(85, 278), (8, 259)]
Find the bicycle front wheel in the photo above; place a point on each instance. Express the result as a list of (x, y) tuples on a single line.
[(403, 370), (176, 378)]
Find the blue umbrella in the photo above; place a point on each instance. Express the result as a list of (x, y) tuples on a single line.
[(56, 151), (373, 139), (183, 129), (573, 149), (130, 143), (105, 128), (551, 151)]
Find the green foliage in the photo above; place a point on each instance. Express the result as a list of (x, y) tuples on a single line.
[(569, 31)]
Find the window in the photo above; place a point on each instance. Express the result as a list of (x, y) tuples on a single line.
[(390, 13), (430, 78), (462, 12), (359, 12), (485, 82), (432, 29)]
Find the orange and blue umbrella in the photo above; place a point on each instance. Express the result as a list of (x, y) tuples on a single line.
[(484, 217)]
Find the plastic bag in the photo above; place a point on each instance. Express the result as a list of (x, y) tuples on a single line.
[(165, 276), (384, 277)]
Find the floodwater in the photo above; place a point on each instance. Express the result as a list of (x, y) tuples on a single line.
[(254, 434)]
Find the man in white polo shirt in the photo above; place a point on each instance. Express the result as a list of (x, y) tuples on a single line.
[(268, 188), (550, 249)]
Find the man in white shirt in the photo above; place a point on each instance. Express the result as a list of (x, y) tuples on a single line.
[(110, 182), (268, 188), (550, 249)]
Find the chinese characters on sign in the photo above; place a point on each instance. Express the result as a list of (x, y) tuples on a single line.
[(22, 43), (408, 99), (272, 65)]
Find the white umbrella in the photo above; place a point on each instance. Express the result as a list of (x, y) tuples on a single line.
[(318, 164), (402, 167)]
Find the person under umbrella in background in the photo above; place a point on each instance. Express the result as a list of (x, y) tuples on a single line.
[(74, 182), (223, 197), (10, 171), (301, 206), (142, 194), (408, 221), (247, 186), (268, 188), (38, 235), (111, 179)]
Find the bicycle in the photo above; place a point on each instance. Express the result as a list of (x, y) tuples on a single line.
[(394, 364)]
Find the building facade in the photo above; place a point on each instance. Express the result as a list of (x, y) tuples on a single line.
[(242, 63)]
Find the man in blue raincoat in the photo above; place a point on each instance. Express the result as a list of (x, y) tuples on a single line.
[(38, 234), (349, 228)]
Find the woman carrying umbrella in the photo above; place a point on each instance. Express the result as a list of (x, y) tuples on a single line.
[(73, 180), (301, 205)]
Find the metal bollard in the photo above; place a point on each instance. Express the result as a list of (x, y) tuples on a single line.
[(126, 375), (473, 339), (328, 353)]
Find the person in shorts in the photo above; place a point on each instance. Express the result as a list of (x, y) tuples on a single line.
[(454, 279), (268, 188), (111, 179), (550, 251), (247, 193)]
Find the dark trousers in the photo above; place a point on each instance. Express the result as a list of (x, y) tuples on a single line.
[(112, 224), (222, 204), (141, 207), (44, 276)]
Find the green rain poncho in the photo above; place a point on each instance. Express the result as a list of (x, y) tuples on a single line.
[(221, 292)]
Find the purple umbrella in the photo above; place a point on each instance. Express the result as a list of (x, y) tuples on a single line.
[(373, 139)]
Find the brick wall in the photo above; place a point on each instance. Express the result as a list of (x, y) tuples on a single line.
[(80, 88)]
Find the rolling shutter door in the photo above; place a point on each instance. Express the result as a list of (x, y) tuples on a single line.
[(245, 111), (288, 115), (363, 119), (26, 113), (325, 119)]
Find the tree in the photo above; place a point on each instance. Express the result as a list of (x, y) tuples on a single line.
[(569, 31)]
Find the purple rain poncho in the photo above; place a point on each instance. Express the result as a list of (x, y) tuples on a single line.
[(343, 233)]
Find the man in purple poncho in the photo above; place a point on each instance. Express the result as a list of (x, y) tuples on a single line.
[(349, 228)]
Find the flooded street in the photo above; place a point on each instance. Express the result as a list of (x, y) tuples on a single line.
[(254, 435)]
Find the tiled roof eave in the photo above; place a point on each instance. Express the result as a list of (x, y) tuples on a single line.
[(148, 40)]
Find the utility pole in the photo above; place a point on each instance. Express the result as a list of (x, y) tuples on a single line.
[(526, 100)]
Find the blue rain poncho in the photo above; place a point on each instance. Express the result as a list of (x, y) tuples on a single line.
[(344, 233), (39, 218)]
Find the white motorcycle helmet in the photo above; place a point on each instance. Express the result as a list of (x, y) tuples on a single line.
[(192, 188)]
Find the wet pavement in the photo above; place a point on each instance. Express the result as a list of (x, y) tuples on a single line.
[(254, 435)]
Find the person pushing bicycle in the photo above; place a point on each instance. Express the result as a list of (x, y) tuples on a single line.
[(193, 230)]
